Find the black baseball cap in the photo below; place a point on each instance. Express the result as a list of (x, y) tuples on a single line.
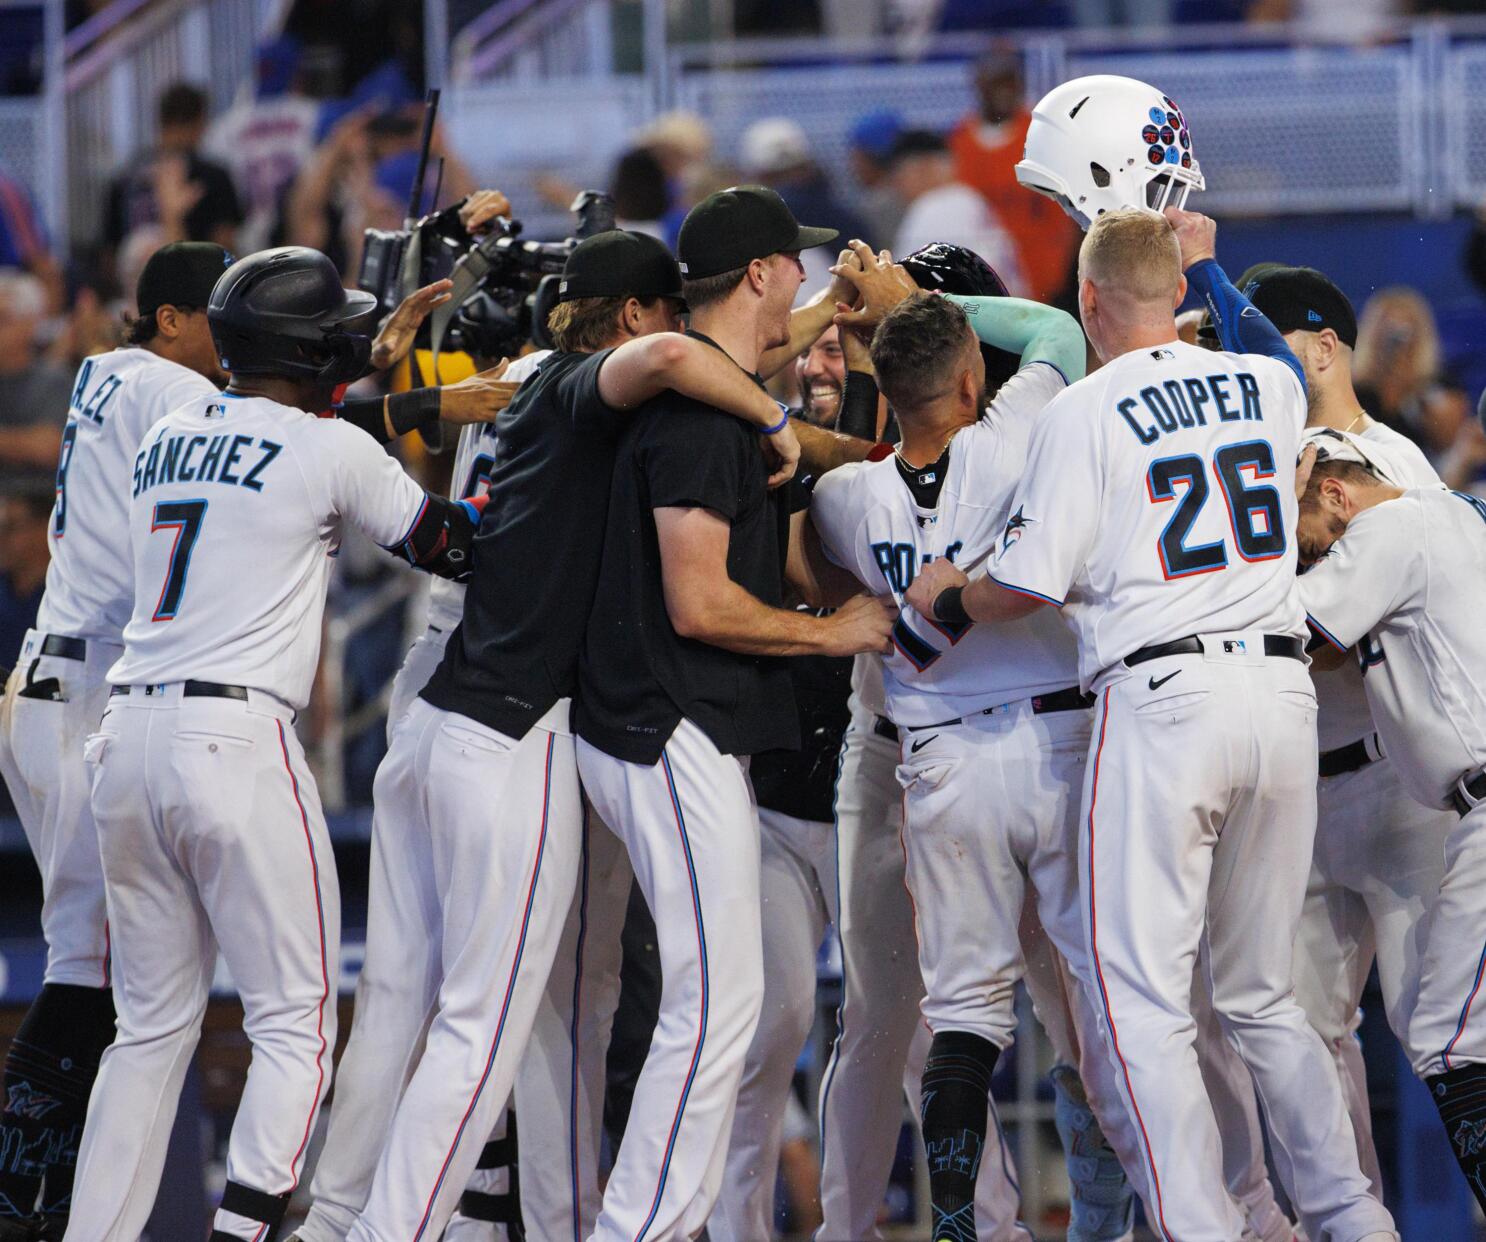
[(731, 228), (180, 274), (620, 264), (1301, 299)]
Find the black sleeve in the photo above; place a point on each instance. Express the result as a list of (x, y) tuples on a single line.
[(694, 457), (441, 537), (858, 413), (577, 389), (407, 411)]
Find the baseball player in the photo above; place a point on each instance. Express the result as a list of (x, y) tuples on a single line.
[(54, 699), (881, 1045), (1394, 584), (1380, 854), (1198, 805), (970, 706), (389, 997), (673, 691), (490, 728), (207, 816)]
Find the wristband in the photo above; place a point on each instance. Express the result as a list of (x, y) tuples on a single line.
[(407, 411), (779, 426), (949, 606)]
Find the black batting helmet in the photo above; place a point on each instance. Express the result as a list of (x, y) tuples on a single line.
[(942, 267), (285, 312)]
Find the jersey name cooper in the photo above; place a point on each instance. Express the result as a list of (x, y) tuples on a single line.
[(1157, 502)]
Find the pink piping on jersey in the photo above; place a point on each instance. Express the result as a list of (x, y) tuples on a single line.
[(1465, 1013), (531, 896), (324, 965), (1114, 1035)]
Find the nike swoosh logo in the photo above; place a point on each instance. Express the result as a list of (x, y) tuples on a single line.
[(919, 745), (1156, 685)]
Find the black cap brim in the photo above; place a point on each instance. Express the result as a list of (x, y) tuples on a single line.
[(810, 237)]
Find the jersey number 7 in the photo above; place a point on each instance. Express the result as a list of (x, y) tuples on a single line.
[(184, 517), (1254, 512)]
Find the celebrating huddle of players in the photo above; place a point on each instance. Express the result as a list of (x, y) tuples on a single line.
[(1091, 618)]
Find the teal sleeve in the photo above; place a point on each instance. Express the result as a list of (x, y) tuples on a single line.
[(1035, 332)]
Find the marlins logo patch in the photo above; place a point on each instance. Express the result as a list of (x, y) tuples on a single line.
[(1015, 525)]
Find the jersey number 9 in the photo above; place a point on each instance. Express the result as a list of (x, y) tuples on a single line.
[(1254, 513)]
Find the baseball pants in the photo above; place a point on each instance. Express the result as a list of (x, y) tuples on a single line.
[(798, 898), (1197, 833), (502, 826), (41, 759), (881, 1042), (212, 837), (1379, 862), (1448, 1027), (691, 830), (989, 805)]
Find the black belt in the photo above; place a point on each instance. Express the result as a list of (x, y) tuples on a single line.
[(1348, 758), (1070, 700), (884, 727), (1274, 645), (196, 690), (1475, 786), (66, 648)]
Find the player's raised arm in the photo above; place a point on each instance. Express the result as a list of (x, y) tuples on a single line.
[(1241, 326), (1030, 330)]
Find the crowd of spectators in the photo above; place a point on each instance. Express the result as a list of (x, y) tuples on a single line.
[(289, 165)]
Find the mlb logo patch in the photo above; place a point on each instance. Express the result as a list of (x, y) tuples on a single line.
[(1235, 646)]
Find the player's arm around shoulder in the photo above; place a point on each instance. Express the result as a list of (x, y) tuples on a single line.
[(821, 567)]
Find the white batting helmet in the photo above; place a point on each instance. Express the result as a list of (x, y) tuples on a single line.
[(1101, 143)]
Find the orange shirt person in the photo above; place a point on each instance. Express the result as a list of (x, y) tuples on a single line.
[(986, 146)]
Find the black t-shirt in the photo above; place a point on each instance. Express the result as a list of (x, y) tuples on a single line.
[(535, 560), (638, 678), (131, 201)]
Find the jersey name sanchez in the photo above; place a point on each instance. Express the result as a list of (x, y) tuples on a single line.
[(236, 508), (871, 525), (1343, 715), (116, 398), (1159, 502), (473, 460), (1404, 586)]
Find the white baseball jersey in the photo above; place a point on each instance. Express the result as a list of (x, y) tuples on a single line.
[(871, 524), (1158, 502), (473, 460), (1406, 584), (236, 511), (1343, 714), (117, 397)]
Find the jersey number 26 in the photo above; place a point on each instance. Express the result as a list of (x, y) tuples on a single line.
[(1254, 512)]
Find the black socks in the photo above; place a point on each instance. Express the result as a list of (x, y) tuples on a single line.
[(1460, 1095), (955, 1111)]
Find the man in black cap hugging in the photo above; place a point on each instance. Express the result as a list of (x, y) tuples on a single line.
[(478, 828), (679, 683)]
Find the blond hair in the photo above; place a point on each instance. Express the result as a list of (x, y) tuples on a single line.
[(584, 325), (1132, 251), (1379, 349)]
